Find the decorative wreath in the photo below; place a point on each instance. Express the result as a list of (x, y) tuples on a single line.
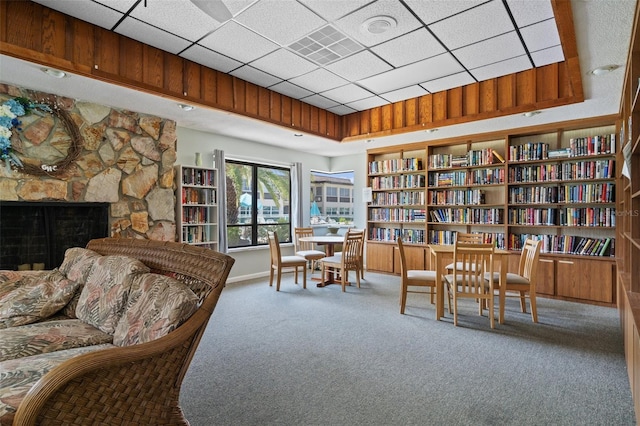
[(10, 111)]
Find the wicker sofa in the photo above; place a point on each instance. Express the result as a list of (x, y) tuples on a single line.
[(119, 348)]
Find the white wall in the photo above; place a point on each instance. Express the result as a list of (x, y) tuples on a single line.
[(254, 262)]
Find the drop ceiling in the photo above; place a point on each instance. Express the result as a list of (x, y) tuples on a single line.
[(352, 55)]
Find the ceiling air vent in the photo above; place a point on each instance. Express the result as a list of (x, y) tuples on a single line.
[(325, 45)]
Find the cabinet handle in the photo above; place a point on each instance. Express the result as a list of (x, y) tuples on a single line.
[(565, 261), (546, 261)]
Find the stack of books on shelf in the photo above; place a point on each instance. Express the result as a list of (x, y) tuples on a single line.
[(533, 195), (458, 178), (533, 216), (195, 215), (535, 173), (599, 169), (198, 177), (397, 182), (198, 196), (449, 237), (566, 244), (467, 216), (529, 151), (588, 193), (593, 145), (395, 165), (588, 216), (454, 197)]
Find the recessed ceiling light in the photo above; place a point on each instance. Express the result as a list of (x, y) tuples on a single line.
[(297, 135), (531, 113), (432, 130), (54, 73), (378, 25), (368, 141), (186, 107), (604, 70)]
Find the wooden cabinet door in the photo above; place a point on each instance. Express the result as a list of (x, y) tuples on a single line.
[(585, 279), (416, 257), (380, 257), (546, 281)]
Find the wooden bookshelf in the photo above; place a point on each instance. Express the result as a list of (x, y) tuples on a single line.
[(197, 206), (555, 183)]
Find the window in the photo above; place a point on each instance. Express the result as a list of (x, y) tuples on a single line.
[(258, 198), (345, 195), (332, 194)]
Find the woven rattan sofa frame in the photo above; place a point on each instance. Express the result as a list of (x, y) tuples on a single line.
[(138, 384)]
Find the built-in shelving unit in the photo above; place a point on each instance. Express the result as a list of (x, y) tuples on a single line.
[(556, 184), (197, 206)]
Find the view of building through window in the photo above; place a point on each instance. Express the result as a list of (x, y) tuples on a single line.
[(258, 201), (332, 198)]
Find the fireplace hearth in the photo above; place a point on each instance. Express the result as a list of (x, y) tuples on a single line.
[(37, 233)]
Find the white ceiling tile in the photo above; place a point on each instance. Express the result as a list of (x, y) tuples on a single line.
[(291, 90), (209, 58), (404, 93), (287, 20), (235, 6), (489, 51), (499, 69), (448, 82), (119, 5), (334, 9), (152, 36), (319, 101), (433, 11), (527, 12), (346, 94), (480, 23), (358, 66), (547, 56), (541, 35), (235, 41), (284, 64), (352, 23), (319, 80), (418, 72), (255, 76), (372, 102), (162, 14), (87, 11), (412, 47), (341, 110)]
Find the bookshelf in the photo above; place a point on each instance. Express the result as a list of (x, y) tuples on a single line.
[(555, 183), (197, 206)]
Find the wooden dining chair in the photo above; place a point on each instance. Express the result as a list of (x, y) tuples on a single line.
[(361, 233), (279, 263), (464, 238), (524, 281), (411, 278), (348, 260), (469, 282), (307, 249)]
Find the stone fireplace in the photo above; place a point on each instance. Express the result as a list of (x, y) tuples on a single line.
[(125, 166)]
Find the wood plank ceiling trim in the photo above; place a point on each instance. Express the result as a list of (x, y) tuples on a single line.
[(34, 32)]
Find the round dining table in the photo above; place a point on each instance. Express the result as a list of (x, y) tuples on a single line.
[(330, 242)]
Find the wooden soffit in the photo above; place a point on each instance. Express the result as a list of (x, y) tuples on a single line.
[(33, 32)]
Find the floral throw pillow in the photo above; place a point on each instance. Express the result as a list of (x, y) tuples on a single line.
[(35, 297), (157, 305), (106, 290), (77, 263)]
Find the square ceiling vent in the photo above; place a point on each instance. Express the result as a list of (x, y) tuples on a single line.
[(325, 45)]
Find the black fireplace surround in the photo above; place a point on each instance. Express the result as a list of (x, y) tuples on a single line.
[(36, 233)]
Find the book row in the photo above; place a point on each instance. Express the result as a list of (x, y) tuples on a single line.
[(569, 216), (598, 169), (415, 236), (462, 178), (396, 215), (198, 196), (449, 237), (479, 157), (457, 197), (467, 216), (198, 177), (566, 244), (581, 193), (197, 215), (395, 165), (196, 234), (398, 198), (397, 182)]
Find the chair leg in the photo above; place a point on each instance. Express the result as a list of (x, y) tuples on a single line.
[(455, 310), (304, 277), (403, 298), (295, 274), (491, 313), (279, 278), (358, 277), (534, 311), (271, 276), (343, 280), (523, 303)]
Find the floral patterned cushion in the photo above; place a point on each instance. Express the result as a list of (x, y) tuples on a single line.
[(48, 336), (17, 376), (106, 289), (157, 305), (77, 263), (35, 297), (10, 280)]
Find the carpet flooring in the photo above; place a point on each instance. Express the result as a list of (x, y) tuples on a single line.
[(322, 357)]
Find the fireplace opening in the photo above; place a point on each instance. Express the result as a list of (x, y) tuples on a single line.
[(35, 235)]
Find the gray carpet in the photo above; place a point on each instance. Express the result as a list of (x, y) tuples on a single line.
[(322, 357)]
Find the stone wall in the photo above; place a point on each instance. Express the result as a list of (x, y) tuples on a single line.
[(126, 159)]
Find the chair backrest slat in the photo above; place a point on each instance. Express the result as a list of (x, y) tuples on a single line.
[(300, 233), (274, 248), (471, 262)]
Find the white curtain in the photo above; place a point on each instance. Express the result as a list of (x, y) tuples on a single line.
[(218, 163), (297, 216)]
